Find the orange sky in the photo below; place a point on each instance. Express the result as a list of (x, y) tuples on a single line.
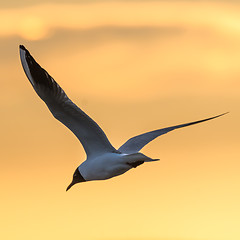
[(133, 66)]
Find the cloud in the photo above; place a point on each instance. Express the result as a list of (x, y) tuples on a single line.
[(25, 3), (191, 53), (41, 21)]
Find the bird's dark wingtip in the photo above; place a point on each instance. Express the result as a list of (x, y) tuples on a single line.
[(222, 114), (22, 47)]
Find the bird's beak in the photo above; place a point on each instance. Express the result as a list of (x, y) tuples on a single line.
[(70, 185), (77, 178)]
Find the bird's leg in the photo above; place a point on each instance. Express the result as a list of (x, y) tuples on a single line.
[(135, 164)]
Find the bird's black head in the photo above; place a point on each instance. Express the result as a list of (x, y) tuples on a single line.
[(77, 178)]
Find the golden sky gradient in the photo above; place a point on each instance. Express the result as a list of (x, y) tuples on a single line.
[(133, 66)]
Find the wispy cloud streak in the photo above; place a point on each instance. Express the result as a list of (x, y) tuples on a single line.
[(38, 22)]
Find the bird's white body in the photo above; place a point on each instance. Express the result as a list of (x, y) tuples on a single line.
[(105, 166), (108, 165), (103, 160)]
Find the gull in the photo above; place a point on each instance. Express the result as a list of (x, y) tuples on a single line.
[(103, 160)]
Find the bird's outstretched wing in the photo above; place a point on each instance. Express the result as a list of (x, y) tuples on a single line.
[(86, 130), (136, 143)]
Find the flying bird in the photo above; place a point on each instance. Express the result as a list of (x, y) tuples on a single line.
[(103, 160)]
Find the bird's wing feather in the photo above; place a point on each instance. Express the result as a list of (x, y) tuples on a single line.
[(86, 130), (136, 143)]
